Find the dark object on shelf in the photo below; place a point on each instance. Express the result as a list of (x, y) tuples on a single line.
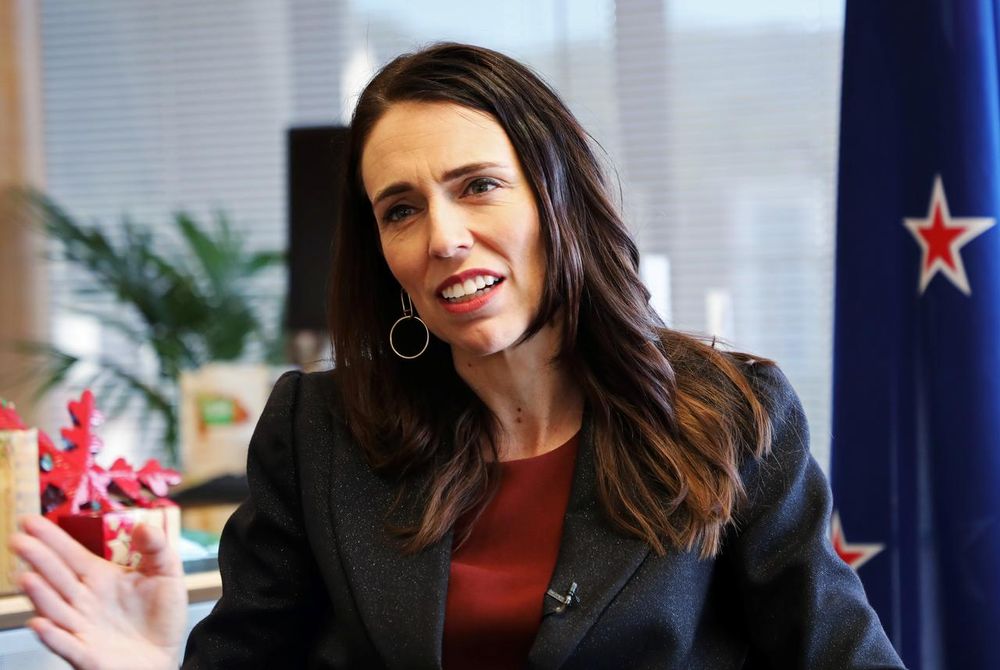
[(221, 490), (314, 178)]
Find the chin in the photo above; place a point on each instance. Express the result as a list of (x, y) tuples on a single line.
[(481, 344), (481, 349)]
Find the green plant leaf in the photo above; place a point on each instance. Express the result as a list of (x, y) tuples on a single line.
[(191, 308), (51, 369)]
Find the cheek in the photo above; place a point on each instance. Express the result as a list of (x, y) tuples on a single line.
[(410, 271), (533, 250), (400, 259)]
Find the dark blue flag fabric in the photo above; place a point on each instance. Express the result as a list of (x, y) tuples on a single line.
[(916, 434)]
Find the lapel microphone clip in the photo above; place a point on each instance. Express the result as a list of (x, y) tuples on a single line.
[(565, 601)]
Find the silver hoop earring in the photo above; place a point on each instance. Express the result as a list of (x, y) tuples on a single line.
[(408, 313)]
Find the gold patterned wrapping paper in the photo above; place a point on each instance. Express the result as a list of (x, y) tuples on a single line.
[(18, 494)]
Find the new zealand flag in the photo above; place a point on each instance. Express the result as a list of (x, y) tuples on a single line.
[(916, 439)]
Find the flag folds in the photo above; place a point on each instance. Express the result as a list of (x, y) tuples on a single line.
[(916, 432)]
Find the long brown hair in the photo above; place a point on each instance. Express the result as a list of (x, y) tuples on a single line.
[(672, 417)]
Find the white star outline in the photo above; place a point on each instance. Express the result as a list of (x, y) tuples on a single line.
[(973, 227), (837, 539)]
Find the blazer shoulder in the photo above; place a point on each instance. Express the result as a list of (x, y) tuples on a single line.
[(320, 388), (296, 389), (307, 403), (773, 390), (712, 370), (788, 454)]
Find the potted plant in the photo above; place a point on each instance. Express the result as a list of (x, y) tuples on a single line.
[(190, 307)]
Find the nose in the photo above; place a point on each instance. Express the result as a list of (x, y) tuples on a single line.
[(449, 235)]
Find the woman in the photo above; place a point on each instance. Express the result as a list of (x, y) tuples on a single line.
[(545, 476)]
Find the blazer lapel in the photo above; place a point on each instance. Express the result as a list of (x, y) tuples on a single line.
[(401, 598), (591, 554)]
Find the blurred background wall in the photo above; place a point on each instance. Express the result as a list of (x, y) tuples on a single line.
[(24, 309)]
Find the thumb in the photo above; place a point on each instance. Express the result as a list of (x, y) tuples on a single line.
[(156, 556)]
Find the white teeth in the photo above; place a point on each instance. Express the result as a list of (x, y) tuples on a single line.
[(468, 287)]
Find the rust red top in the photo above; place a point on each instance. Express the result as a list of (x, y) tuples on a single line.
[(499, 576)]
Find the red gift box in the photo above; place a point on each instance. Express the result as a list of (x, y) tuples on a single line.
[(109, 534)]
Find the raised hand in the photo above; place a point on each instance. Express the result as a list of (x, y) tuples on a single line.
[(98, 615)]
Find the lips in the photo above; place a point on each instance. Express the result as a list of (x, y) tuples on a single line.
[(474, 302), (467, 283), (469, 290)]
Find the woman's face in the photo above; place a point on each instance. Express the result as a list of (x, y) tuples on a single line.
[(457, 221)]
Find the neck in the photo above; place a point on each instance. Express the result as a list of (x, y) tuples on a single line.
[(538, 404)]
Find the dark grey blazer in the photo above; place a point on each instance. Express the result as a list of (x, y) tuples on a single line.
[(310, 578)]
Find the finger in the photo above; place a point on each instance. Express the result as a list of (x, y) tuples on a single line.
[(158, 557), (61, 642), (78, 557), (48, 564), (49, 604)]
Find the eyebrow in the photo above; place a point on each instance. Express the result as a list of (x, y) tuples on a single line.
[(450, 175)]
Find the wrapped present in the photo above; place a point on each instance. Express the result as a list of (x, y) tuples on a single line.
[(109, 534), (97, 506), (18, 487)]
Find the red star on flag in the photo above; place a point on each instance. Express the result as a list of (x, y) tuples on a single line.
[(941, 238), (855, 555)]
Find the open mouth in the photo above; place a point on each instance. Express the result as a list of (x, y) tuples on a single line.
[(470, 289)]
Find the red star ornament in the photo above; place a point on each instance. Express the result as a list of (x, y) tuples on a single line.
[(855, 555), (941, 238)]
